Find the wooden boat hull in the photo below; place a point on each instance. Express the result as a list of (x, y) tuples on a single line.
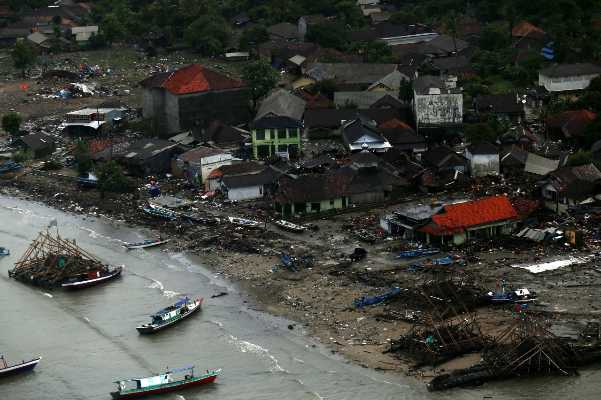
[(116, 273), (131, 246), (147, 329), (165, 389), (20, 368)]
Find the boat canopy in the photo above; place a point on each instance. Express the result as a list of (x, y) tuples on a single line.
[(181, 302)]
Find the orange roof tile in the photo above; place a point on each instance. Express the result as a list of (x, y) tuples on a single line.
[(197, 78), (525, 28), (458, 217), (394, 123)]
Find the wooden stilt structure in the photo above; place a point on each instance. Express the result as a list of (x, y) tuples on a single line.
[(50, 259)]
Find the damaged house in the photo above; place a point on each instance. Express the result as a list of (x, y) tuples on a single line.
[(193, 96), (147, 156), (436, 103), (278, 125), (365, 180), (361, 133), (569, 186), (457, 223), (484, 159), (196, 164)]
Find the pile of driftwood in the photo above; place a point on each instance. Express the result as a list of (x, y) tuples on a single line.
[(50, 260), (525, 348)]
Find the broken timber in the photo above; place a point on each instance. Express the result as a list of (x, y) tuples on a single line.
[(50, 260)]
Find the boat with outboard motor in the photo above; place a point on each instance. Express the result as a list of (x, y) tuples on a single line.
[(171, 315), (23, 366), (162, 383)]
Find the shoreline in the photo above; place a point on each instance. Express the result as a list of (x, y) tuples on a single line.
[(319, 298)]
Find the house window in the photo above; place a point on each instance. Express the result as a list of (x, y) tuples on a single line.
[(282, 148), (315, 207), (300, 208), (263, 151), (331, 203), (293, 150), (292, 133), (260, 134), (281, 133)]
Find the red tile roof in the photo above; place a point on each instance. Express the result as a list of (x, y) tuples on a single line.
[(458, 217), (572, 123), (194, 78), (394, 123), (525, 28)]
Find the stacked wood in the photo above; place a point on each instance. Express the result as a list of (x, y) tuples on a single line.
[(50, 260)]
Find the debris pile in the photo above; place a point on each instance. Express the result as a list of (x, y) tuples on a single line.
[(50, 260)]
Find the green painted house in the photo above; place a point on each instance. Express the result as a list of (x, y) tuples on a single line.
[(278, 125), (312, 194)]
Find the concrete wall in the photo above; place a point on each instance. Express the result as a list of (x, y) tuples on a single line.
[(245, 193), (560, 84), (272, 139), (171, 110), (483, 164), (439, 109)]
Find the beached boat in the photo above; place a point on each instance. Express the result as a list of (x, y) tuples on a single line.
[(247, 223), (23, 366), (146, 243), (4, 252), (289, 226), (92, 278), (171, 315), (418, 253), (139, 387), (160, 212), (520, 296)]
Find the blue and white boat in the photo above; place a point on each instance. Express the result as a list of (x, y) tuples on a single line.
[(24, 366), (418, 253), (4, 252)]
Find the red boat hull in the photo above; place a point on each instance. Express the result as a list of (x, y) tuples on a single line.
[(209, 379)]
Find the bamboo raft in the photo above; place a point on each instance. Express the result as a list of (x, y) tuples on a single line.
[(50, 260)]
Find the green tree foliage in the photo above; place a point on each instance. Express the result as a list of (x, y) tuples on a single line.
[(480, 132), (592, 133), (83, 157), (494, 37), (23, 55), (333, 35), (208, 35), (327, 87), (11, 123), (253, 37), (581, 157), (406, 90), (377, 52), (22, 155), (261, 78), (111, 178)]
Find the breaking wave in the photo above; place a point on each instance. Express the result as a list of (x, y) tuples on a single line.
[(159, 285), (95, 235), (248, 347)]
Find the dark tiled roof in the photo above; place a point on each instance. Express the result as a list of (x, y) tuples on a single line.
[(282, 103), (483, 149), (145, 149), (37, 141), (439, 155), (565, 70), (387, 30), (309, 188), (499, 104), (265, 177), (199, 153), (349, 73), (332, 117), (241, 168), (221, 134), (284, 30), (352, 131), (423, 84)]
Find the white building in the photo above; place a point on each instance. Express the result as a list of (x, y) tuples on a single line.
[(84, 33), (198, 163), (436, 103), (564, 77), (484, 159)]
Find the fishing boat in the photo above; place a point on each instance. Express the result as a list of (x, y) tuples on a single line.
[(139, 387), (248, 223), (418, 253), (448, 260), (171, 315), (23, 366), (4, 252), (160, 212), (520, 296), (146, 243), (289, 226), (91, 278)]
